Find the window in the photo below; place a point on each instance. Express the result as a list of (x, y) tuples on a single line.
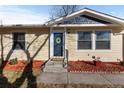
[(103, 40), (19, 40), (84, 40)]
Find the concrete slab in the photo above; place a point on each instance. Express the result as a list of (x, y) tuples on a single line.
[(52, 78), (86, 78), (80, 78), (114, 78)]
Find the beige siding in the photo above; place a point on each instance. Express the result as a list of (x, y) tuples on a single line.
[(116, 51), (42, 41), (106, 55)]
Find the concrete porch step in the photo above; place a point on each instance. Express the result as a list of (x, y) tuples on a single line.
[(55, 65), (57, 59), (54, 69)]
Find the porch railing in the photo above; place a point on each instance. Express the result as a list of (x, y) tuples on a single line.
[(65, 64)]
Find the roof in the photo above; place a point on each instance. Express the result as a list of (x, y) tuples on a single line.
[(100, 14), (105, 14), (118, 20), (24, 26)]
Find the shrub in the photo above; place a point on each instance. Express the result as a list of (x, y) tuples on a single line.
[(122, 63), (13, 61)]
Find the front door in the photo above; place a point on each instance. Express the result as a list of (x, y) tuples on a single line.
[(58, 44)]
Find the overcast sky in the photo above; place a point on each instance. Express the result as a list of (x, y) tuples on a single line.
[(38, 14)]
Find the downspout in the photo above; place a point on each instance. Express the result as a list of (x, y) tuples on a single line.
[(123, 47), (66, 49), (122, 53)]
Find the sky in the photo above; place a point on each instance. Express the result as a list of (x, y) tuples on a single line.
[(38, 14)]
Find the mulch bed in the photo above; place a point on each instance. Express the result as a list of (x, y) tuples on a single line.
[(101, 67), (20, 66)]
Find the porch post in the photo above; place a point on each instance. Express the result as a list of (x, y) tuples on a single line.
[(65, 46), (51, 42)]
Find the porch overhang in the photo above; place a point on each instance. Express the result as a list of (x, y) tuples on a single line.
[(87, 25)]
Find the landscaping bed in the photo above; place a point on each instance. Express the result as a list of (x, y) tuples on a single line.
[(100, 67), (20, 66)]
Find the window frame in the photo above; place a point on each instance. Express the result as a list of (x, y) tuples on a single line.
[(85, 40), (19, 40), (110, 31)]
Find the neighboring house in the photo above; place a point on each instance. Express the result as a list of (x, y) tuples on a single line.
[(78, 36)]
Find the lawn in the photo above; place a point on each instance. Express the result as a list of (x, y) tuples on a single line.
[(21, 75)]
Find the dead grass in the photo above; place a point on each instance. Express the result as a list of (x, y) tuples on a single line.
[(21, 74), (41, 85), (12, 76)]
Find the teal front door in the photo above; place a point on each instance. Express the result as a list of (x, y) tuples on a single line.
[(58, 44)]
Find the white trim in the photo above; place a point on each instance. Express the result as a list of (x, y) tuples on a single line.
[(52, 42), (106, 16), (91, 40), (94, 39), (85, 10), (94, 42), (65, 36), (110, 41), (20, 31), (65, 42), (86, 25)]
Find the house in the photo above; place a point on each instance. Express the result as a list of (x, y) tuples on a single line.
[(78, 36)]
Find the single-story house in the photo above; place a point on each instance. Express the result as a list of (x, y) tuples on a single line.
[(78, 36)]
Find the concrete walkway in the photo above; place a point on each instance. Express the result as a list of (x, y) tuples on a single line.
[(80, 78)]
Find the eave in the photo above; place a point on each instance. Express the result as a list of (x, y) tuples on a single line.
[(86, 25), (24, 26)]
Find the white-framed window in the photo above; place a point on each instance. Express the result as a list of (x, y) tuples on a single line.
[(85, 40), (103, 39), (18, 41)]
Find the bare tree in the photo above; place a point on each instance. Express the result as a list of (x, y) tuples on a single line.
[(2, 49), (26, 73), (63, 10), (27, 52), (3, 59), (1, 46)]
